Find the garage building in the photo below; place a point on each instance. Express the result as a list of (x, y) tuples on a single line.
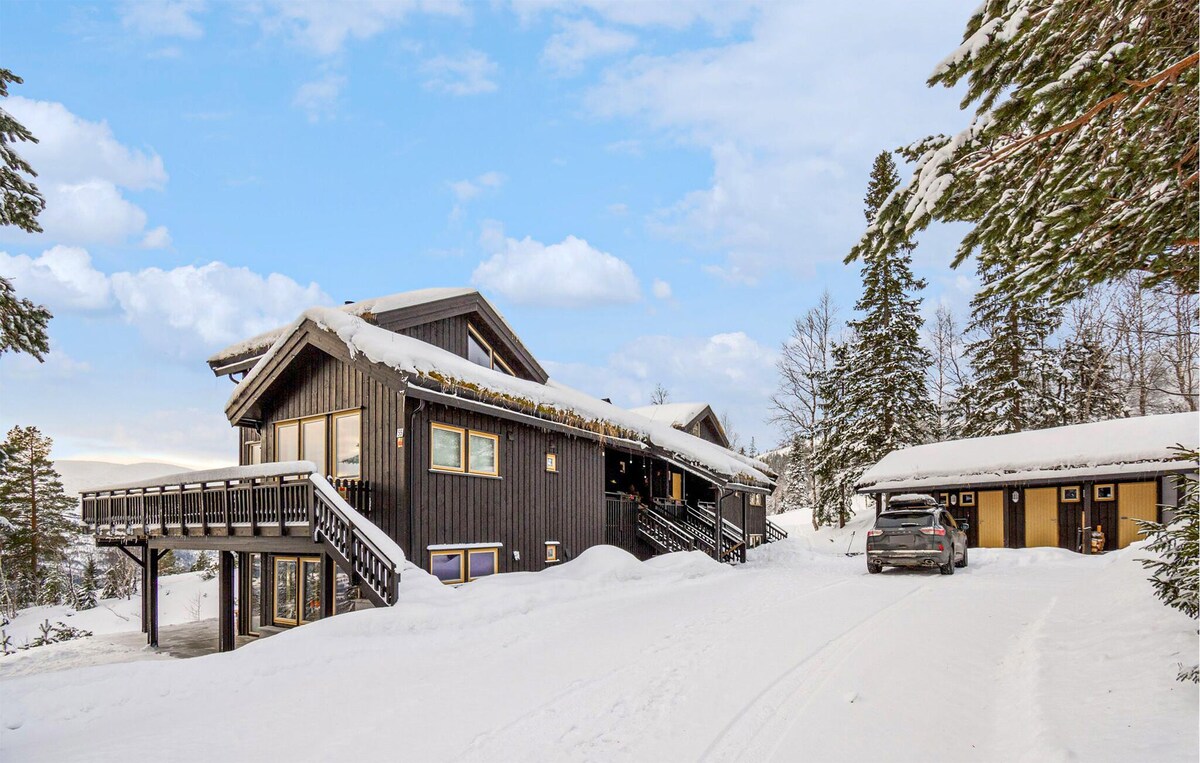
[(1050, 487)]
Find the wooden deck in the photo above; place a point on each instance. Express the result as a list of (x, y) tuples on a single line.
[(246, 508)]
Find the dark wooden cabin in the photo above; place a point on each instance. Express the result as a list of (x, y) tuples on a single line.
[(418, 428), (1081, 487)]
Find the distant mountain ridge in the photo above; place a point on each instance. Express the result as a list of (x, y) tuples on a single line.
[(78, 476)]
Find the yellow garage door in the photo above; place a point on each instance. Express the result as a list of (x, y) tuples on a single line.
[(1135, 500), (1041, 517), (991, 519)]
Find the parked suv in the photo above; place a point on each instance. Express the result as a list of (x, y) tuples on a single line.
[(916, 532)]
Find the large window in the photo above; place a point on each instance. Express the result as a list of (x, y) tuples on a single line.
[(287, 441), (454, 449), (331, 441), (313, 442), (347, 445), (481, 353), (447, 448), (462, 565)]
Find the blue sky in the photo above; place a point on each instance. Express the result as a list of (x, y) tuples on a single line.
[(650, 192)]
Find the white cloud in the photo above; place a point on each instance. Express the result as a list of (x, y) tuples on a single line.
[(676, 14), (163, 18), (159, 238), (324, 26), (465, 190), (82, 169), (210, 305), (792, 116), (184, 310), (730, 371), (579, 41), (318, 98), (661, 289), (62, 278), (72, 149), (571, 273), (57, 364), (469, 74)]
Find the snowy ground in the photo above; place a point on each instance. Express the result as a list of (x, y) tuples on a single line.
[(1026, 655)]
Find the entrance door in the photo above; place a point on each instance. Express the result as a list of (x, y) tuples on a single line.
[(297, 590), (991, 518), (1041, 517), (1135, 500)]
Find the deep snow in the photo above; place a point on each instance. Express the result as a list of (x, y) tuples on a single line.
[(1033, 654)]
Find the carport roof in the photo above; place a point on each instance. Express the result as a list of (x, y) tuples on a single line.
[(1141, 445)]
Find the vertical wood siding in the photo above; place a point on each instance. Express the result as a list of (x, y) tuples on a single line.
[(318, 384), (522, 509), (449, 333)]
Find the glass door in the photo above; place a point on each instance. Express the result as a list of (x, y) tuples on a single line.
[(297, 590), (286, 591), (310, 590)]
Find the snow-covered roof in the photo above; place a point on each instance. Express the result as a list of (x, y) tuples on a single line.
[(1100, 449), (675, 414), (375, 305), (552, 401)]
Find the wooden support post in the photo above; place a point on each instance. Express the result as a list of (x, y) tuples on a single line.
[(150, 595), (145, 564), (245, 593), (328, 581), (1087, 523), (717, 528), (746, 525), (225, 625)]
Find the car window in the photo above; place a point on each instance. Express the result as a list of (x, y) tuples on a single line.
[(897, 519)]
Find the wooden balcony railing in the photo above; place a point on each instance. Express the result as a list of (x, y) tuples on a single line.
[(261, 500)]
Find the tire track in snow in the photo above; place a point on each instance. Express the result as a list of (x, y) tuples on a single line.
[(668, 660), (745, 736)]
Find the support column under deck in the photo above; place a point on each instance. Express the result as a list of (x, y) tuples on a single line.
[(225, 624), (245, 594), (328, 579), (150, 595)]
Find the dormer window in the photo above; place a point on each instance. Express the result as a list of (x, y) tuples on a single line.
[(481, 353)]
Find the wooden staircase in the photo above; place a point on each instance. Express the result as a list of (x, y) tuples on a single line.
[(255, 506)]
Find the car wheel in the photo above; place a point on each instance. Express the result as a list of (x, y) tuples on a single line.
[(874, 568), (963, 563), (948, 567)]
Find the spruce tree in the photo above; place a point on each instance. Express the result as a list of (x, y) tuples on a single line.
[(889, 361), (38, 529), (838, 456), (22, 323), (1016, 370), (89, 584)]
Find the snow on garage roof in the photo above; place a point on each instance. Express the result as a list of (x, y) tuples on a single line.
[(1101, 449), (552, 401), (675, 414)]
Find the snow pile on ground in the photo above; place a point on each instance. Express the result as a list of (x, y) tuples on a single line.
[(1024, 655)]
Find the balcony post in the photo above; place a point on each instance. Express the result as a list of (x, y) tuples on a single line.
[(225, 624)]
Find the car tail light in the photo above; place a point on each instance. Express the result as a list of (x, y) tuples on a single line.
[(873, 532), (933, 530)]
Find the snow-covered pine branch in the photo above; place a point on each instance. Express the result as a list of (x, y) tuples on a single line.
[(1080, 160)]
